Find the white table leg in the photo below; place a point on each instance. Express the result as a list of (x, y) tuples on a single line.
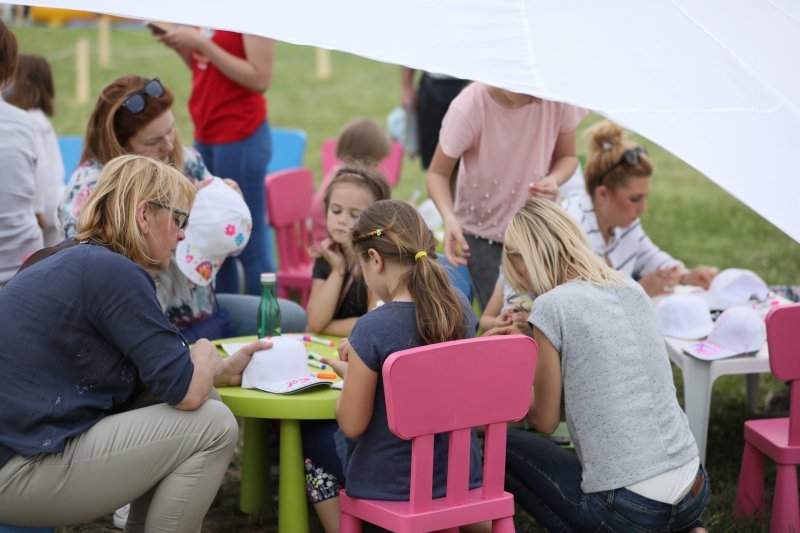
[(697, 399)]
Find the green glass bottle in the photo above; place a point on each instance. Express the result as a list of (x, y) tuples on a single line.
[(269, 312)]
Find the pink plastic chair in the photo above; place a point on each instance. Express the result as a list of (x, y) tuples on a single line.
[(777, 438), (451, 387), (390, 166), (289, 194)]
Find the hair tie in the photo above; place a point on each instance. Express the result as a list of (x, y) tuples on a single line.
[(420, 254)]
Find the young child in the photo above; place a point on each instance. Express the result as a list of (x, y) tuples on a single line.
[(511, 146), (637, 464), (337, 296), (33, 91), (507, 311), (360, 141), (395, 252)]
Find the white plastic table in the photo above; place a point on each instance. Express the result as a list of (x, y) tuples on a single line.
[(699, 377)]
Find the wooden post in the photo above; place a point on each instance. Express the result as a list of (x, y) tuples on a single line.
[(82, 73), (104, 40), (323, 64), (19, 12)]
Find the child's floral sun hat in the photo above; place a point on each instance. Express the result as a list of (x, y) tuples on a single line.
[(219, 226)]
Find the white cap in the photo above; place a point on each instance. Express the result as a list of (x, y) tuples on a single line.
[(684, 316), (268, 277), (219, 226), (735, 286), (739, 330), (282, 369)]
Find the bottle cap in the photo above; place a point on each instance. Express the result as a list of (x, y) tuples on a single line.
[(268, 277)]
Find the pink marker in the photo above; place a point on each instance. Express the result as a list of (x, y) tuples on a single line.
[(309, 338)]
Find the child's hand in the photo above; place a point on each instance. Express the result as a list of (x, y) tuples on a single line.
[(344, 349), (545, 188), (453, 240), (329, 250), (519, 316), (338, 366), (510, 329)]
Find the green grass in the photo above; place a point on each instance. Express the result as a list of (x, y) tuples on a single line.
[(689, 215)]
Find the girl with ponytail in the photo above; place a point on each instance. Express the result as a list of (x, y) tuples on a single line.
[(395, 252)]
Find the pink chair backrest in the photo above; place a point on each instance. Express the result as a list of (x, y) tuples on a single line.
[(452, 387), (289, 194), (783, 340), (391, 166)]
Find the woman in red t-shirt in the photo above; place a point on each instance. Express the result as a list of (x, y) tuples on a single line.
[(230, 72)]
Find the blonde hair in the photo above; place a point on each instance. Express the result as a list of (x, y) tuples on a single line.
[(606, 145), (362, 140), (109, 216), (554, 249), (397, 232)]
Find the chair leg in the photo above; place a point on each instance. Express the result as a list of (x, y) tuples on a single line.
[(503, 525), (750, 492), (349, 524), (785, 510)]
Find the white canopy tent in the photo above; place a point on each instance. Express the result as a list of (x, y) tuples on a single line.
[(712, 81)]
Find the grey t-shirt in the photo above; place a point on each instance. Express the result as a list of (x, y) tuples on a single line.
[(621, 408)]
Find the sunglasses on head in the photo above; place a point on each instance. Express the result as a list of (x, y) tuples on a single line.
[(181, 217), (630, 157), (136, 102)]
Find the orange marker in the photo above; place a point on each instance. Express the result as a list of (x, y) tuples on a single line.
[(326, 375)]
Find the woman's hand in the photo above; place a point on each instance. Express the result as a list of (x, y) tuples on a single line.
[(234, 365), (330, 251), (660, 282), (701, 276), (547, 187), (183, 38)]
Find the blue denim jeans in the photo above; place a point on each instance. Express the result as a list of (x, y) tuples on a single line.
[(245, 162), (545, 480)]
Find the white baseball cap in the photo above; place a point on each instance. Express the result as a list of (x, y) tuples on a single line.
[(735, 286), (684, 316), (219, 226), (282, 369), (737, 331)]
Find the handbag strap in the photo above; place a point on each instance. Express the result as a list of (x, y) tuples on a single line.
[(44, 253)]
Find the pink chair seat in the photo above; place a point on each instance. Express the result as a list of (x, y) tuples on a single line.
[(771, 436), (398, 517), (488, 383), (778, 438)]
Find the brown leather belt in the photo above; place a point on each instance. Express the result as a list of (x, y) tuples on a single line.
[(698, 485)]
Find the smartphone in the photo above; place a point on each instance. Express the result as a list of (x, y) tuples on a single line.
[(157, 29)]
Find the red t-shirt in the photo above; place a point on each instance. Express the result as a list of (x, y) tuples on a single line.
[(222, 110)]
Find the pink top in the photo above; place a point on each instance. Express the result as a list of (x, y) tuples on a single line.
[(503, 150)]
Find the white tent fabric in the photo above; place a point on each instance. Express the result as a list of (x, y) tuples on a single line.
[(712, 81)]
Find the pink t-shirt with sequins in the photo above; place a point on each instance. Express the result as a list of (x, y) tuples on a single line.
[(503, 150)]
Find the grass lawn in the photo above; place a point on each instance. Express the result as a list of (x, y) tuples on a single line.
[(689, 215)]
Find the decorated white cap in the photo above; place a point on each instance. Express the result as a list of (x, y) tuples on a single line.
[(219, 226), (282, 369), (684, 316), (737, 331), (736, 286)]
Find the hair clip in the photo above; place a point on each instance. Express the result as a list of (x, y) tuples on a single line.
[(606, 146), (364, 236)]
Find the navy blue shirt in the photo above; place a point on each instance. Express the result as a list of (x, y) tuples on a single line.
[(354, 302), (377, 465), (78, 330)]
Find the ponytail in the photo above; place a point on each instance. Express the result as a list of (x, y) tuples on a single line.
[(398, 233)]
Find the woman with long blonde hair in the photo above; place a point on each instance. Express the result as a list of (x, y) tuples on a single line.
[(637, 466)]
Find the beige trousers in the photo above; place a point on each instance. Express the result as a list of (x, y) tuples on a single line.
[(169, 463)]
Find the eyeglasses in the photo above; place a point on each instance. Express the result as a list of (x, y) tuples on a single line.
[(181, 217), (629, 157), (136, 102)]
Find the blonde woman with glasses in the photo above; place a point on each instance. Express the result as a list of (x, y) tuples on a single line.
[(637, 466), (84, 335)]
